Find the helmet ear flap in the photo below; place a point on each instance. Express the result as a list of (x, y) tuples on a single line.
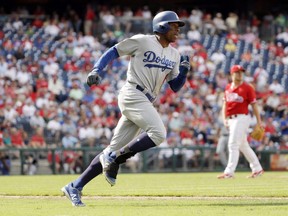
[(163, 27), (161, 21)]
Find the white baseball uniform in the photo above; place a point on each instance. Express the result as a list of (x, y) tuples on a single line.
[(237, 101), (150, 65)]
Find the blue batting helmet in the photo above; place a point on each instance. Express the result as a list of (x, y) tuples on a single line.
[(161, 21)]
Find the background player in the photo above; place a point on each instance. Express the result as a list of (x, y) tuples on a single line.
[(222, 145), (152, 61), (238, 95)]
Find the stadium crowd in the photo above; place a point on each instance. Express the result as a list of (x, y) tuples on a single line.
[(44, 60)]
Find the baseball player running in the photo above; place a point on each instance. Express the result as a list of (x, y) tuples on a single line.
[(152, 61), (238, 95)]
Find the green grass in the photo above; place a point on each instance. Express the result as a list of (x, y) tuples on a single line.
[(149, 194)]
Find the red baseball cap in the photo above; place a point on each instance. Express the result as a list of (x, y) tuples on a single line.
[(236, 69)]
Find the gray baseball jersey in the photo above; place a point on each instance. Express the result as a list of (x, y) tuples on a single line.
[(150, 65)]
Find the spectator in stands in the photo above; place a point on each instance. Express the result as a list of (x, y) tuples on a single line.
[(90, 16), (19, 53), (284, 124), (41, 83), (217, 57), (283, 107), (221, 80), (17, 23), (76, 93), (230, 46), (280, 22), (56, 86), (3, 66), (255, 24), (195, 18), (30, 165), (270, 132), (248, 36), (208, 24), (176, 122), (126, 19), (76, 21), (37, 120), (54, 128), (37, 140), (193, 34), (109, 38), (69, 140), (276, 87), (86, 134), (261, 78), (246, 57), (11, 71), (233, 36), (69, 126), (147, 14), (6, 138), (220, 25), (5, 163), (108, 19), (279, 51), (17, 141), (272, 103), (28, 109), (23, 77), (52, 27), (285, 58), (37, 22), (282, 38), (51, 68), (10, 113), (70, 66), (232, 21)]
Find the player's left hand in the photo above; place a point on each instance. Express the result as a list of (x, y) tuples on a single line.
[(93, 78), (184, 65), (258, 132)]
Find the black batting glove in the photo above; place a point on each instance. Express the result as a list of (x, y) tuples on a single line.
[(93, 78), (184, 67)]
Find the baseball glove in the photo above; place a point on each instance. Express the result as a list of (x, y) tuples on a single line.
[(258, 133)]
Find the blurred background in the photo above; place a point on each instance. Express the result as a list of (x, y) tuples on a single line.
[(52, 123)]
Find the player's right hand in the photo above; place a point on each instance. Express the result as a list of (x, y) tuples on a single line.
[(93, 78), (184, 65)]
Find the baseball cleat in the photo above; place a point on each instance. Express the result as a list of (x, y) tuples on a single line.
[(73, 194), (110, 168), (256, 174), (225, 176)]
